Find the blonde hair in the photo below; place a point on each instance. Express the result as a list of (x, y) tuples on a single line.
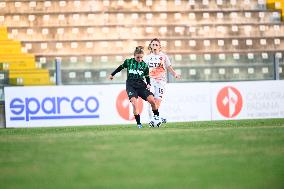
[(139, 50), (155, 39)]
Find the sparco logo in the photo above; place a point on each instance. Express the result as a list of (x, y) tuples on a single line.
[(53, 107), (229, 102)]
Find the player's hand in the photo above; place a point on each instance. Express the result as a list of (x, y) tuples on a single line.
[(148, 86), (110, 77), (177, 76)]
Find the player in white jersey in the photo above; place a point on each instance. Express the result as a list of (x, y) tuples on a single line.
[(158, 63)]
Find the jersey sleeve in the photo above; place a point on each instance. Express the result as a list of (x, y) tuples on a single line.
[(146, 74), (119, 68)]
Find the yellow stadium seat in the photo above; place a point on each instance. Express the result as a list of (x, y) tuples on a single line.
[(270, 4), (30, 81), (10, 47), (33, 73), (17, 66), (17, 58), (9, 42), (29, 77), (3, 33), (278, 4)]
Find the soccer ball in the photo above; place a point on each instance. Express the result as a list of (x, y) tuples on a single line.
[(155, 122)]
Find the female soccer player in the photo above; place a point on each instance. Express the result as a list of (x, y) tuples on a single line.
[(158, 63), (137, 69)]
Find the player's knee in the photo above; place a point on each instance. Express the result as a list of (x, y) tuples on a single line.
[(152, 102)]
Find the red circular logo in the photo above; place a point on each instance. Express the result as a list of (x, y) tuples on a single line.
[(229, 102), (124, 106)]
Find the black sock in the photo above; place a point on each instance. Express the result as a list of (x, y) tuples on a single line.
[(137, 118), (156, 112)]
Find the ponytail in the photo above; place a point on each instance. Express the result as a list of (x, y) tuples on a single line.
[(139, 50)]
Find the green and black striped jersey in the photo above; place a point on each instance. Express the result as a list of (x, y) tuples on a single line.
[(135, 70)]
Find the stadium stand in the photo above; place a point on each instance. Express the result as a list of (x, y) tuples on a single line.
[(207, 40), (19, 68)]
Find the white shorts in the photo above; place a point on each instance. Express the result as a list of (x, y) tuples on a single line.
[(158, 88)]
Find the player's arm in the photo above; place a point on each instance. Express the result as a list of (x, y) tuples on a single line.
[(118, 69), (147, 77), (173, 72), (170, 68)]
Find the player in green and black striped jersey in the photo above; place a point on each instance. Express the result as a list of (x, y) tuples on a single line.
[(137, 70)]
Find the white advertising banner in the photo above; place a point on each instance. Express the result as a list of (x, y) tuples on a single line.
[(48, 106), (186, 102), (247, 100)]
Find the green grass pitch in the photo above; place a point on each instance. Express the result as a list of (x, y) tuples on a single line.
[(217, 154)]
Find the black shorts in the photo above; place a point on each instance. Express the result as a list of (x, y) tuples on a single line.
[(137, 88)]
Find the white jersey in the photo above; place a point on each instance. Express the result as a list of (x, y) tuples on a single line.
[(158, 64)]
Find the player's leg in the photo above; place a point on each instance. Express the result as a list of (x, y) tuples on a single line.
[(133, 98), (134, 103), (158, 102), (159, 88), (155, 93), (155, 111), (148, 96), (151, 100), (159, 91)]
